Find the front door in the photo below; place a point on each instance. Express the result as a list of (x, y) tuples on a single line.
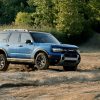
[(25, 49)]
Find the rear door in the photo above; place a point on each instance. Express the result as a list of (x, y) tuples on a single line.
[(13, 45), (18, 48)]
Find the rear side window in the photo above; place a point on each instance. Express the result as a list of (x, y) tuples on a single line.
[(3, 36), (14, 38)]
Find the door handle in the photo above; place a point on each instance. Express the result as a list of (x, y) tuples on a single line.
[(7, 44), (20, 45)]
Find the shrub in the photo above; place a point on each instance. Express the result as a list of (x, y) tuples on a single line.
[(23, 18)]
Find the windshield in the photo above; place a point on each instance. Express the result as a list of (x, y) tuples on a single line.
[(44, 38)]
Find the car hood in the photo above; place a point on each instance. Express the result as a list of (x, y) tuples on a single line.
[(65, 46)]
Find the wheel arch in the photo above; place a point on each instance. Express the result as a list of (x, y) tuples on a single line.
[(2, 51), (40, 51)]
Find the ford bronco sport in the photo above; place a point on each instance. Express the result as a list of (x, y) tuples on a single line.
[(37, 49)]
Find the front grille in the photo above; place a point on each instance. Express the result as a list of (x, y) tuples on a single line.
[(71, 53)]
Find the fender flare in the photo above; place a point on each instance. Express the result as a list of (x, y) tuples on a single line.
[(38, 51)]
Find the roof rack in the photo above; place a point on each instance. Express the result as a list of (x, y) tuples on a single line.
[(17, 30)]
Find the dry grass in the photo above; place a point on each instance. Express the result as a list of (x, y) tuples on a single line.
[(20, 83), (89, 61), (53, 84)]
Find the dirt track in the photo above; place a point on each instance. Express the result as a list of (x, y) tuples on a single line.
[(53, 84)]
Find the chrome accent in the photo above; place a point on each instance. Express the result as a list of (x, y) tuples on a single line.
[(61, 59), (70, 59), (57, 49), (20, 60), (70, 50), (78, 51)]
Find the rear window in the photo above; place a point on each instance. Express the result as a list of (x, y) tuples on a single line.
[(3, 36)]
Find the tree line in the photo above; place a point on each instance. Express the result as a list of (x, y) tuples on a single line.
[(74, 18)]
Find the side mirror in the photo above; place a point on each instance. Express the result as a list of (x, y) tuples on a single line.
[(28, 42)]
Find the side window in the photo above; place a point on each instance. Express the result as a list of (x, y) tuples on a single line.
[(14, 38), (25, 36), (3, 36)]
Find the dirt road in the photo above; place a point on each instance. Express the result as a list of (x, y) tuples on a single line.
[(54, 83)]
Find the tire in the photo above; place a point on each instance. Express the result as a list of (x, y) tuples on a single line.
[(31, 66), (70, 68), (41, 61), (3, 63)]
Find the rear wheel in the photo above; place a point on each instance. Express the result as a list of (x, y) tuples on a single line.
[(70, 68), (3, 63), (41, 61)]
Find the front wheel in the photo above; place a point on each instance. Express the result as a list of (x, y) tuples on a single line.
[(3, 63), (41, 61), (70, 68)]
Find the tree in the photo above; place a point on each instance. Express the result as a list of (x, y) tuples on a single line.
[(95, 14), (44, 14), (9, 9), (69, 20), (95, 7)]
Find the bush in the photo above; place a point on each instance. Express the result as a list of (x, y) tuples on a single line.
[(23, 18)]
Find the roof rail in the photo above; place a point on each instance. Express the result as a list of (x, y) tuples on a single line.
[(17, 30)]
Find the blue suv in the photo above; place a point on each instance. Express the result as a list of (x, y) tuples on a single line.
[(37, 49)]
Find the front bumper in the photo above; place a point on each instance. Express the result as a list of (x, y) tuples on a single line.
[(70, 61), (65, 60)]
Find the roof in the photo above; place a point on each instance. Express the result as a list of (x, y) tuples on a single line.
[(21, 30)]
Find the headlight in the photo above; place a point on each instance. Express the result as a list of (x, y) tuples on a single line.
[(57, 49), (78, 50)]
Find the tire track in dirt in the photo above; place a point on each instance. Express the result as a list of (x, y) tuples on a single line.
[(40, 78)]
